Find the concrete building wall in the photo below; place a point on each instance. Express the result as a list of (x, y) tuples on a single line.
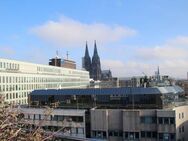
[(181, 123), (137, 124), (70, 121), (131, 120), (115, 118), (99, 120)]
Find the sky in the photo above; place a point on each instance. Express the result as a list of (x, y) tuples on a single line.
[(133, 37)]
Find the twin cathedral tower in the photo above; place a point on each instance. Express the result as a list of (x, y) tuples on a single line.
[(94, 65)]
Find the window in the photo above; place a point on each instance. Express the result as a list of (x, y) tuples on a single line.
[(136, 135), (160, 119), (126, 135), (104, 134), (143, 135), (172, 136), (182, 129), (179, 116), (148, 134), (115, 134), (166, 136), (94, 133), (110, 133), (172, 120), (131, 135), (182, 115), (154, 134), (166, 120), (120, 134), (179, 129), (160, 136), (148, 120)]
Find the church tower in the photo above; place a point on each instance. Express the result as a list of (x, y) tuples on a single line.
[(96, 65), (87, 60)]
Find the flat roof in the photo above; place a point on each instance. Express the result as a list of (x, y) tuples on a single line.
[(110, 91)]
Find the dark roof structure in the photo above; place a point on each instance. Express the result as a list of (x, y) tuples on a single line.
[(111, 91)]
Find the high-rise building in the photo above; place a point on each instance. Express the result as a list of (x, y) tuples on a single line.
[(96, 65)]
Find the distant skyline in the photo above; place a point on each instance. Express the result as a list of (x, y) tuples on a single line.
[(132, 36)]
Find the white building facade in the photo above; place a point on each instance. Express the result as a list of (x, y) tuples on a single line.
[(18, 79)]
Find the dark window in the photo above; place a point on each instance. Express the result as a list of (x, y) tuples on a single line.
[(137, 135), (121, 134), (60, 118), (131, 135), (104, 134), (160, 120), (182, 129), (166, 120), (142, 120), (148, 134), (182, 115), (55, 117), (94, 133), (172, 120), (143, 135), (179, 129), (160, 136), (126, 135), (154, 134), (115, 133), (77, 118), (172, 136), (110, 133), (154, 120)]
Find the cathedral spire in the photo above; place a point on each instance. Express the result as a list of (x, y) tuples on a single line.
[(96, 65), (87, 60), (95, 49), (86, 51)]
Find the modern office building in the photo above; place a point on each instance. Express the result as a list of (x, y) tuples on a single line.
[(124, 98), (124, 114), (18, 79)]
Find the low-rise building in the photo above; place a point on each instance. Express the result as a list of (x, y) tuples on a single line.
[(66, 122), (124, 114), (140, 124)]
